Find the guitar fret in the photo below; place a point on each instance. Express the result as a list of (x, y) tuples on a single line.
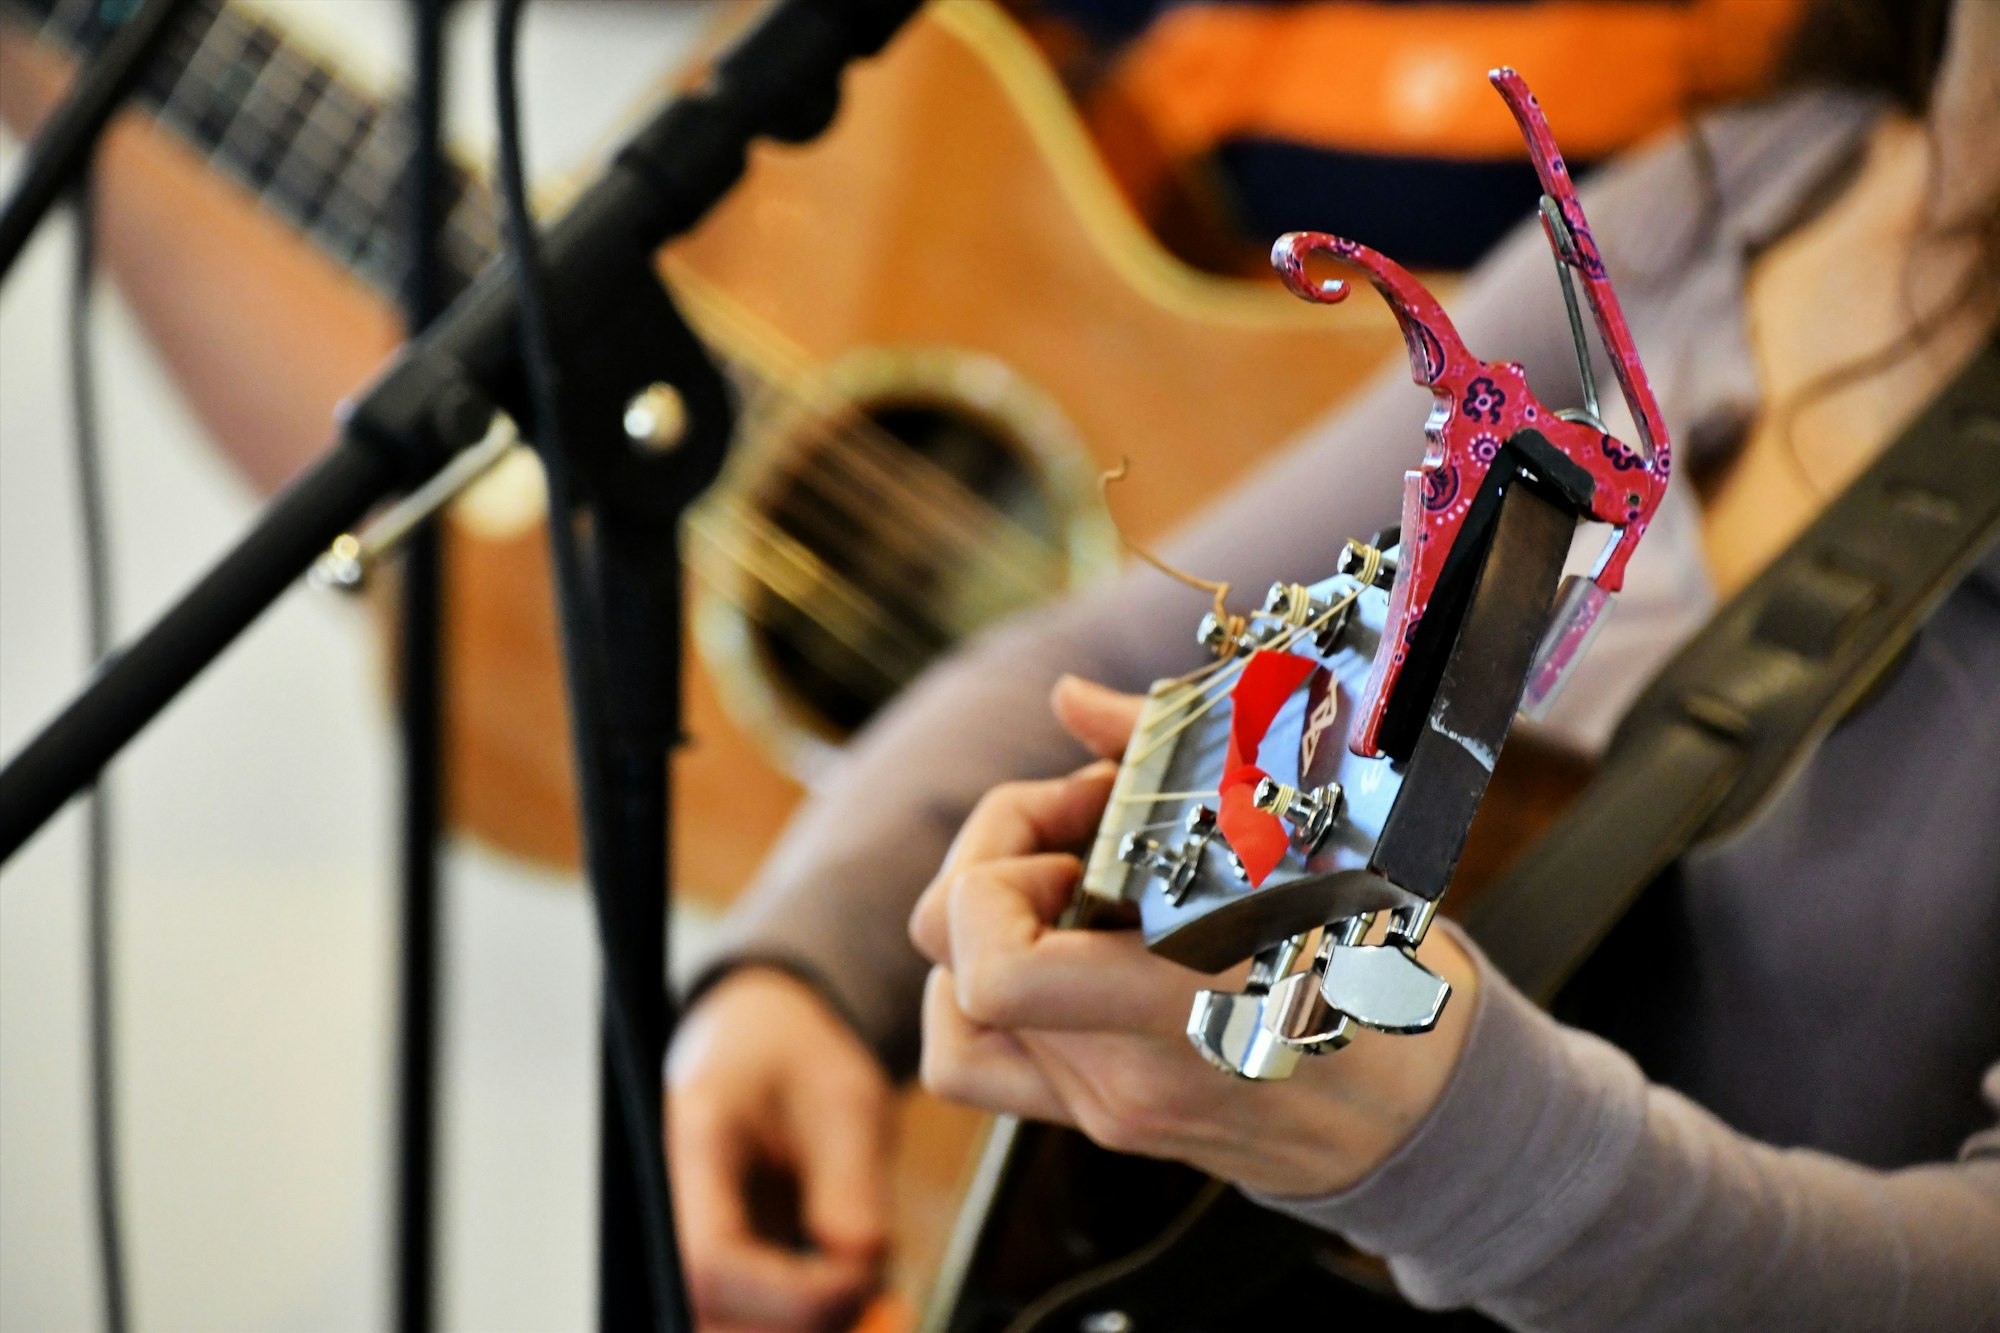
[(188, 103), (360, 191), (333, 128), (300, 176), (335, 122), (263, 125), (317, 153), (233, 88)]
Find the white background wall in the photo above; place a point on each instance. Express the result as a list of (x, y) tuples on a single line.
[(255, 897)]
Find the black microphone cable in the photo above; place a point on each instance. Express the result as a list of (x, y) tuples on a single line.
[(577, 613), (100, 991)]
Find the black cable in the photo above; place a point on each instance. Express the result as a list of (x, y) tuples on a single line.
[(97, 810), (577, 614)]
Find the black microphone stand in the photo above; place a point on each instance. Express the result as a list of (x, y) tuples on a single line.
[(625, 344), (421, 691)]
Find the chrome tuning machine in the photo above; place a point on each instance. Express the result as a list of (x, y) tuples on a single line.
[(1311, 814), (1175, 867), (1282, 1014), (1383, 986), (1261, 1032)]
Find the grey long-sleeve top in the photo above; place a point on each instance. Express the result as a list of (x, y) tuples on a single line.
[(1835, 982)]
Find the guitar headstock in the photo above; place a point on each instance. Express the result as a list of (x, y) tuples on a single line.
[(1162, 845), (1381, 697)]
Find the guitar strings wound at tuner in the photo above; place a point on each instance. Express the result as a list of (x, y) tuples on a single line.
[(1229, 625)]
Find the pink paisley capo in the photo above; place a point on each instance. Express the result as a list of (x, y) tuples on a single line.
[(1481, 406)]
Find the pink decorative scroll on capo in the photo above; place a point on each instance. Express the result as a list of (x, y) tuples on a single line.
[(1481, 406)]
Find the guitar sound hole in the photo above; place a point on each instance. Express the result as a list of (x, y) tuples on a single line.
[(904, 531)]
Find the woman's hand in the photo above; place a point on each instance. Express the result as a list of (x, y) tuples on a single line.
[(1086, 1028), (765, 1079)]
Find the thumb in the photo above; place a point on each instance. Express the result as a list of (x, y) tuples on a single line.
[(1100, 717)]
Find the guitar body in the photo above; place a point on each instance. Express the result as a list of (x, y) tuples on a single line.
[(1079, 1237), (956, 207)]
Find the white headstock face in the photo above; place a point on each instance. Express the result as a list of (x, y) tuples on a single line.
[(1161, 849)]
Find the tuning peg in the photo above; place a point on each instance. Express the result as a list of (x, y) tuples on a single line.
[(1225, 1028), (1262, 1036), (1292, 604), (1224, 636), (1383, 986), (1173, 867), (1366, 565), (1310, 813)]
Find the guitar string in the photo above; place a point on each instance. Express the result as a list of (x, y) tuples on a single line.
[(750, 545), (1152, 740), (1139, 797), (748, 537), (1232, 668), (1216, 693), (752, 552), (871, 460), (847, 496), (782, 365), (893, 631)]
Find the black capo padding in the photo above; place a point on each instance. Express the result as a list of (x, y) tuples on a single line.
[(1526, 452), (1480, 685)]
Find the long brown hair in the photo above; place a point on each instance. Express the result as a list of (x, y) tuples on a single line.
[(1896, 48), (1892, 47)]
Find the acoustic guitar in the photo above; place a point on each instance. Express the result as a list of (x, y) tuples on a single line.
[(944, 321)]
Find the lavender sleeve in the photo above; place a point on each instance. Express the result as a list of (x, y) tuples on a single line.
[(1555, 1188)]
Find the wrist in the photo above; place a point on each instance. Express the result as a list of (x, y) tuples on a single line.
[(1533, 1130), (769, 973), (1370, 1098)]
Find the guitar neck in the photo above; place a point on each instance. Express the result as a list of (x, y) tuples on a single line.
[(327, 157)]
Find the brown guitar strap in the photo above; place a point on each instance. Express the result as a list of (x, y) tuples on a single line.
[(1748, 700)]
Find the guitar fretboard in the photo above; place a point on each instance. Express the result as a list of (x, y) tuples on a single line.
[(329, 159)]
